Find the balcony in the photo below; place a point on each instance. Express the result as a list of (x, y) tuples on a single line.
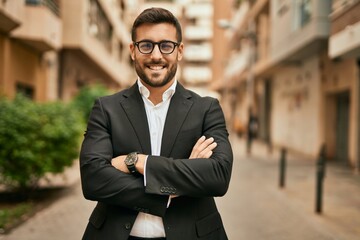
[(344, 16), (197, 75), (198, 53), (195, 33), (345, 31), (86, 39), (52, 5), (238, 63), (10, 15), (295, 39), (199, 10), (41, 28), (345, 43)]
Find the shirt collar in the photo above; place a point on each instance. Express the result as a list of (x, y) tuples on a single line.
[(166, 95)]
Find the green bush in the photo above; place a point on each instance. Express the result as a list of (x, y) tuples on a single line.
[(84, 100), (36, 139)]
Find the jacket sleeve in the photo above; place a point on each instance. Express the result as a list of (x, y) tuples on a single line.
[(104, 183), (195, 177)]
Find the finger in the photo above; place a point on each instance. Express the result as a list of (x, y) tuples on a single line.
[(196, 149), (199, 142), (206, 143), (207, 152), (212, 146)]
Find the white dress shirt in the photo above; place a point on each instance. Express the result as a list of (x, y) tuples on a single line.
[(147, 225)]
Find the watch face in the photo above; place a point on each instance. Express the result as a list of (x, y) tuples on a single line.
[(130, 162), (131, 158)]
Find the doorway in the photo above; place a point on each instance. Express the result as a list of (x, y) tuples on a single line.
[(265, 112), (342, 127)]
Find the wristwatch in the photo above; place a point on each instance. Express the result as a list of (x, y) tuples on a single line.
[(130, 162)]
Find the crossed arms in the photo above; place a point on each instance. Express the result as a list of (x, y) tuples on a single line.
[(206, 172), (202, 149)]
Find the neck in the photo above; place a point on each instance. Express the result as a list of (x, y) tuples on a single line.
[(156, 93)]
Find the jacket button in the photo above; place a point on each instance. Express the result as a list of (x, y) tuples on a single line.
[(127, 226)]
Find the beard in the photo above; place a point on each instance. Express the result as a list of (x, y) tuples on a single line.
[(153, 79)]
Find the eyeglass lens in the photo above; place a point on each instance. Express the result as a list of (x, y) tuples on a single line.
[(166, 47)]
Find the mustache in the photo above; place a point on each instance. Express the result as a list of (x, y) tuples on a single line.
[(156, 62)]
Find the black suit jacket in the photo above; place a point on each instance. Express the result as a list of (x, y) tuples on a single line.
[(118, 126)]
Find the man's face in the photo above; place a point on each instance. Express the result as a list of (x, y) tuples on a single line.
[(156, 69)]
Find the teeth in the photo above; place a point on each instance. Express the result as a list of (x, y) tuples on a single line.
[(156, 67)]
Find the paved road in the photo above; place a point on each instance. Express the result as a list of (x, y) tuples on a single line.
[(253, 209)]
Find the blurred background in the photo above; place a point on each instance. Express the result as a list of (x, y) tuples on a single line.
[(291, 66), (294, 63)]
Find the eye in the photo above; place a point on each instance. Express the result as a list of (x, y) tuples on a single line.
[(167, 46), (146, 46)]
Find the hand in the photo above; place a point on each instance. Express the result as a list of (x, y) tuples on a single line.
[(203, 148)]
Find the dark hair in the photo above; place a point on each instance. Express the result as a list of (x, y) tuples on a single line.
[(156, 15)]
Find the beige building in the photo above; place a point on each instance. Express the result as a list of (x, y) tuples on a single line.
[(198, 34), (220, 51), (299, 36), (342, 82), (95, 49), (31, 33), (296, 64), (49, 49)]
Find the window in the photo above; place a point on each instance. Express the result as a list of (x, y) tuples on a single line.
[(53, 5), (98, 25), (305, 12)]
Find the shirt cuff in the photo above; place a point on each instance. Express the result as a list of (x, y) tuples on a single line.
[(169, 201), (145, 169)]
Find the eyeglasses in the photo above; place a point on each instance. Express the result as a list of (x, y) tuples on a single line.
[(165, 47)]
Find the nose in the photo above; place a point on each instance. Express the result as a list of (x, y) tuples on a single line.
[(156, 54)]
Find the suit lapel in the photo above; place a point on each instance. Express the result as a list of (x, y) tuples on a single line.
[(133, 106), (179, 107)]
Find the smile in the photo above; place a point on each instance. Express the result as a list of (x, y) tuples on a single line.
[(156, 67)]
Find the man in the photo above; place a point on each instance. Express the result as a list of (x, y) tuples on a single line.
[(156, 154)]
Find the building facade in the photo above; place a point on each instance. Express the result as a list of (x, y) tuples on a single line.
[(31, 33), (198, 33), (296, 65), (95, 47), (49, 49), (342, 81)]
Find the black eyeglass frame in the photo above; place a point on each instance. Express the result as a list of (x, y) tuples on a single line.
[(156, 43)]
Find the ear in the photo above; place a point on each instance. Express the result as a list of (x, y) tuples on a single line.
[(132, 50), (180, 51)]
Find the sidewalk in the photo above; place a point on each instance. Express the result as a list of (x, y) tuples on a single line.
[(254, 208), (64, 219)]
